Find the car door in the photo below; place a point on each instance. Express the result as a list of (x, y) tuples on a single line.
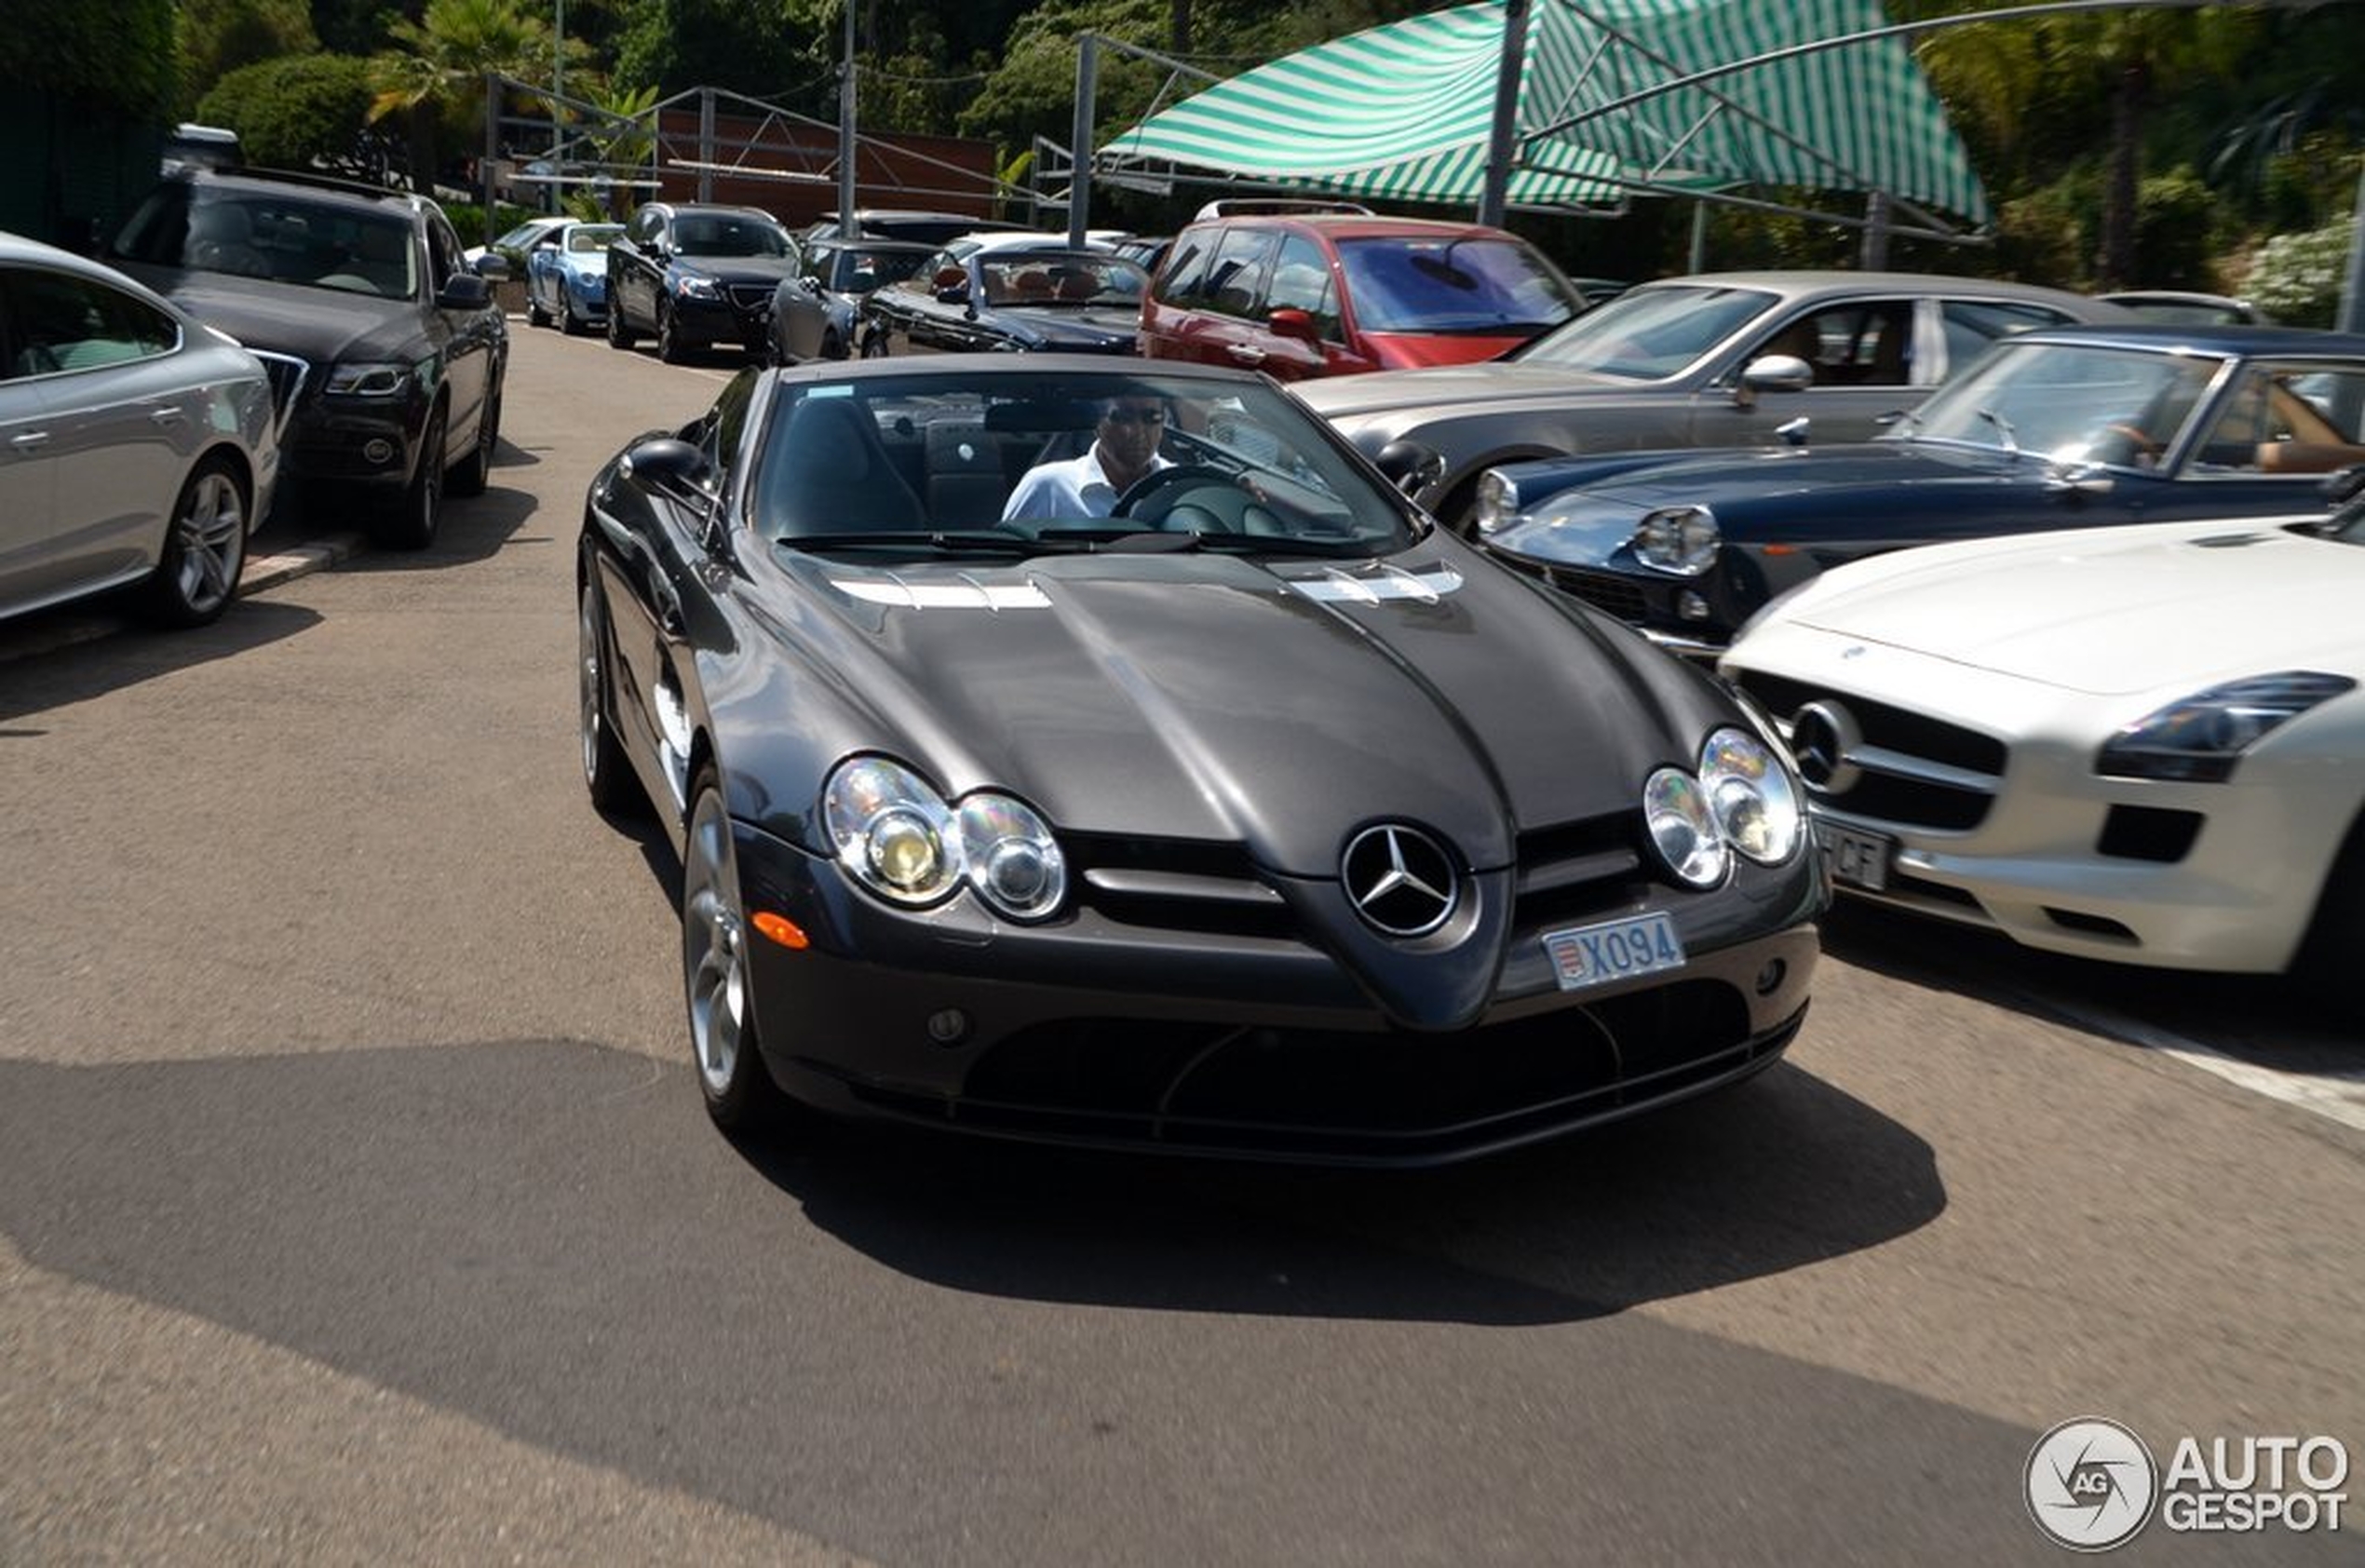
[(802, 303), (1299, 281), (114, 433), (468, 337), (1221, 322), (1860, 352), (634, 264), (28, 466)]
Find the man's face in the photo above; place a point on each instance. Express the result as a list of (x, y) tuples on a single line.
[(1130, 429)]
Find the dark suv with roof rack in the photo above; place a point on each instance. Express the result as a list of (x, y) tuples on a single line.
[(386, 351), (693, 275)]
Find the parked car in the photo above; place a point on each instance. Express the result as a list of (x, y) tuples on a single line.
[(1708, 361), (518, 242), (1300, 294), (566, 277), (397, 349), (138, 447), (815, 310), (1007, 828), (2145, 746), (2080, 426), (932, 229), (2189, 308), (695, 275), (1009, 297)]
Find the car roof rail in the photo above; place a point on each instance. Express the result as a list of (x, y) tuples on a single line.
[(1233, 207), (315, 181)]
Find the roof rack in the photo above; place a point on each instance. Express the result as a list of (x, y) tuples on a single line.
[(1233, 207)]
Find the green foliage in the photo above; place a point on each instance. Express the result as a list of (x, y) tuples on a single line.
[(2296, 277), (752, 47), (2175, 232), (218, 37), (2048, 236), (290, 113), (118, 55)]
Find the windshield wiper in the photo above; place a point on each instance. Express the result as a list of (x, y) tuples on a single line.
[(948, 544), (2004, 428), (1159, 541)]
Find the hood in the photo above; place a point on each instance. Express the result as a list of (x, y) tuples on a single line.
[(736, 269), (1422, 350), (2113, 610), (320, 325), (1490, 381), (1072, 328), (1205, 696)]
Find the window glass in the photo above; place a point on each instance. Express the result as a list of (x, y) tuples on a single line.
[(1235, 272), (2069, 401), (2287, 419), (1472, 283), (585, 240), (1971, 325), (1650, 332), (66, 323), (1863, 343), (1183, 281), (1301, 281), (729, 234)]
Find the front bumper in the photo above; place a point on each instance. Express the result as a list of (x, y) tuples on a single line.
[(353, 440), (1098, 1032), (742, 314)]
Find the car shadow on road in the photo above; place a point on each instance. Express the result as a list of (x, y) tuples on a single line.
[(2267, 1019), (56, 658)]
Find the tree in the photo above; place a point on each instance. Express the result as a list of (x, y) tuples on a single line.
[(296, 112), (218, 37), (116, 54), (441, 61)]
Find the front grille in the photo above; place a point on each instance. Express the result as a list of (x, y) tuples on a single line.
[(288, 375), (1576, 868), (1346, 1095), (1606, 591), (750, 297), (1176, 885), (1916, 771)]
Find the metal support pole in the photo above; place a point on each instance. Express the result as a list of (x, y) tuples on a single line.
[(706, 144), (492, 152), (553, 193), (1698, 262), (1875, 253), (847, 194), (1088, 78), (1502, 136), (2351, 315)]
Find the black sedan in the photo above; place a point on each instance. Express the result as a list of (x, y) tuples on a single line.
[(1005, 299), (2066, 428), (814, 310), (694, 274), (1254, 815)]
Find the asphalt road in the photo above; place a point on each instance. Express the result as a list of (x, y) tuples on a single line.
[(357, 1206)]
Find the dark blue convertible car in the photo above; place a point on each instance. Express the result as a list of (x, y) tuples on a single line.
[(2063, 427)]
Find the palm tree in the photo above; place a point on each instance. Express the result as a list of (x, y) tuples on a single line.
[(444, 60)]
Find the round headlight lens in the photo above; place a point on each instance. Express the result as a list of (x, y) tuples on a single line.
[(891, 833), (1751, 796), (1014, 863), (1679, 539), (1683, 828)]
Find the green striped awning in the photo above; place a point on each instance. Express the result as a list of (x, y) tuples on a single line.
[(1403, 112)]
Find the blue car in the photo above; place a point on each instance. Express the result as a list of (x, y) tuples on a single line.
[(566, 277), (2062, 427)]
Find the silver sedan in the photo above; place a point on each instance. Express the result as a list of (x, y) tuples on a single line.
[(137, 448)]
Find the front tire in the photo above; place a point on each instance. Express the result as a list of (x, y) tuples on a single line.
[(740, 1094), (472, 476), (205, 548), (670, 347), (412, 521), (620, 333), (535, 314)]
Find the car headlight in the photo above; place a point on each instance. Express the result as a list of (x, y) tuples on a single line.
[(1682, 827), (1751, 796), (1679, 539), (691, 288), (2201, 739), (898, 837), (1497, 502), (368, 379)]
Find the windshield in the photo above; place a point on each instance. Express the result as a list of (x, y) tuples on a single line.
[(285, 238), (1066, 278), (2069, 403), (585, 240), (858, 271), (1474, 285), (1060, 461), (705, 235), (1650, 332)]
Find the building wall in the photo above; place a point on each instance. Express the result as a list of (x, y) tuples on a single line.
[(789, 168)]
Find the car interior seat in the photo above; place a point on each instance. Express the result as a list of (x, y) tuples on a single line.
[(830, 473), (966, 481)]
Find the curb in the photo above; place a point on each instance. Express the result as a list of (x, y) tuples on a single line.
[(270, 571)]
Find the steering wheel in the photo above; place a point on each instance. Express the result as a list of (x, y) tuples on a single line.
[(1150, 498), (2136, 443)]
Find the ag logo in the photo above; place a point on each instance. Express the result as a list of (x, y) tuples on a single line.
[(2090, 1484)]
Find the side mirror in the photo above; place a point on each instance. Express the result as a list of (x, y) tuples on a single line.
[(1292, 323), (492, 265), (466, 291), (1778, 372), (668, 463), (1411, 467)]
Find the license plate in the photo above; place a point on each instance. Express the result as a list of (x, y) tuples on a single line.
[(1615, 949), (1857, 859)]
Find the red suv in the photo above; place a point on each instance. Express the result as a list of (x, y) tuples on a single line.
[(1311, 293)]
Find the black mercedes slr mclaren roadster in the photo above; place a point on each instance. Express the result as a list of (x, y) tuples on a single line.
[(1070, 748)]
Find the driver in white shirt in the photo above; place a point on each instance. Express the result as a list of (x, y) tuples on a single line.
[(1124, 447)]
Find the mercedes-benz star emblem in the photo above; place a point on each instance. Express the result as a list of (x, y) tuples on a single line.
[(1825, 741), (1400, 880)]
